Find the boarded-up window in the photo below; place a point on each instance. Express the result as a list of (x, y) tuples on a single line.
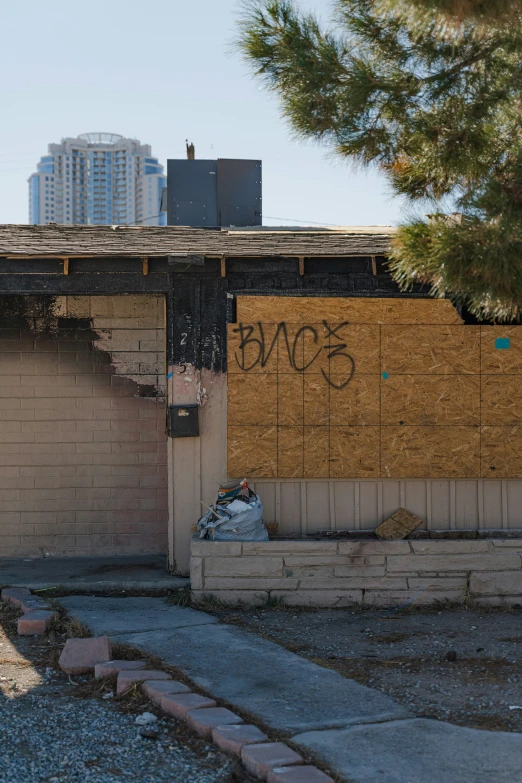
[(369, 388)]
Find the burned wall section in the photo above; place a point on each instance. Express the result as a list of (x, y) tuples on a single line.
[(204, 302), (82, 426)]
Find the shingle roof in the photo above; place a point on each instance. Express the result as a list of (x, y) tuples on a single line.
[(77, 241)]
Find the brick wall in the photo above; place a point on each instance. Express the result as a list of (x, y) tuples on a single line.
[(82, 428), (344, 573)]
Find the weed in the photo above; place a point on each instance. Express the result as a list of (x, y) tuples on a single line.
[(182, 597), (274, 602)]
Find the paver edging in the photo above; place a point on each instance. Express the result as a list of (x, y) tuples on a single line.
[(36, 616), (206, 702)]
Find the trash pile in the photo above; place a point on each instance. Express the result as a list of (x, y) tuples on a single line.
[(236, 516)]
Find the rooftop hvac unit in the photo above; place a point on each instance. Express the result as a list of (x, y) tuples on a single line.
[(214, 193)]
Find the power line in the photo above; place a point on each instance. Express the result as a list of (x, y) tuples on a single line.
[(151, 217), (270, 217), (295, 220)]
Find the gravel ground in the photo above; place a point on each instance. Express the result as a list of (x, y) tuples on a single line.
[(48, 734), (65, 739), (459, 666)]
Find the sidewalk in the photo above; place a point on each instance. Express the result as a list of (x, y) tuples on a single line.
[(360, 733), (90, 574)]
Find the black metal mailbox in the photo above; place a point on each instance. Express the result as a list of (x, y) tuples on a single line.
[(184, 421)]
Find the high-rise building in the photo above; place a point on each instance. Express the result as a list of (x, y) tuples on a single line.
[(98, 178)]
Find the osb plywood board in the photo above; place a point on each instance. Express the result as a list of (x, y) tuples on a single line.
[(501, 399), (356, 403), (312, 348), (252, 451), (290, 454), (430, 399), (252, 398), (364, 400), (290, 398), (316, 402), (249, 352), (354, 452), (430, 452), (501, 350), (316, 452), (430, 350), (501, 452), (302, 309)]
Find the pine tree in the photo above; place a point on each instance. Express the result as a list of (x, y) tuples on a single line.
[(434, 104), (458, 10)]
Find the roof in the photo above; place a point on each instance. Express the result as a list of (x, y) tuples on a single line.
[(58, 241)]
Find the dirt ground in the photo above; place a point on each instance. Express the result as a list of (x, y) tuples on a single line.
[(459, 666)]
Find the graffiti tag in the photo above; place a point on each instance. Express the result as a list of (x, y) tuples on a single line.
[(255, 349)]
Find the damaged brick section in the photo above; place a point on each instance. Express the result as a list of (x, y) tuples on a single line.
[(82, 409)]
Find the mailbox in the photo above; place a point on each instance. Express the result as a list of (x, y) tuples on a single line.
[(184, 421)]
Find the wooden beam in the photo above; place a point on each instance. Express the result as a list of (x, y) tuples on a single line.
[(301, 265), (145, 262), (223, 267), (374, 265), (66, 266), (120, 256)]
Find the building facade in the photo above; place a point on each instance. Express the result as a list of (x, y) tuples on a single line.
[(305, 368), (97, 179)]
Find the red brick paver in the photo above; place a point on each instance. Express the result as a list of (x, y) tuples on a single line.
[(178, 705), (111, 668), (31, 603), (260, 759), (297, 775), (127, 679), (34, 623), (80, 656), (15, 595), (204, 720), (157, 689), (232, 738)]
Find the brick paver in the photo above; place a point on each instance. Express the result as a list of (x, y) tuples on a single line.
[(178, 705), (157, 689), (232, 738), (260, 759), (15, 595), (297, 775), (103, 671), (34, 623), (205, 720), (126, 679), (80, 656)]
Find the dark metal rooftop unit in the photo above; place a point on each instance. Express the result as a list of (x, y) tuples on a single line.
[(214, 193)]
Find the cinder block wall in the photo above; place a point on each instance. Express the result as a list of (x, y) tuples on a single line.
[(82, 428), (344, 573)]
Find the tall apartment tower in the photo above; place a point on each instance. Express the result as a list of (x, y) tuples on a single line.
[(98, 178)]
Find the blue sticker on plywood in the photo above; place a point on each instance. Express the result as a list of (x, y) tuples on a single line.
[(503, 343)]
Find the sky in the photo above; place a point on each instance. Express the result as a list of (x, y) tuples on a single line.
[(163, 74)]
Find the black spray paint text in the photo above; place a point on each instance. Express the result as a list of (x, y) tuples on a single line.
[(255, 349)]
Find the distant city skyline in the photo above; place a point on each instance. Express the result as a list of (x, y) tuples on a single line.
[(97, 179), (164, 78)]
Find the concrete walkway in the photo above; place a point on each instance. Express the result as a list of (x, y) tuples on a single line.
[(90, 574), (360, 733)]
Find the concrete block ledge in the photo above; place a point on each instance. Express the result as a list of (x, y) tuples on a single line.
[(362, 572)]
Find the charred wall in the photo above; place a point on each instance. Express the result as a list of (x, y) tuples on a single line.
[(82, 425)]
